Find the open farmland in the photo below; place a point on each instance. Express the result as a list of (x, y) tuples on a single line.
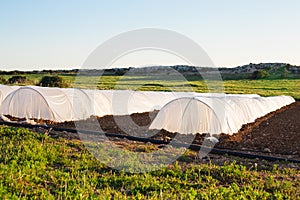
[(47, 164), (162, 100), (263, 87)]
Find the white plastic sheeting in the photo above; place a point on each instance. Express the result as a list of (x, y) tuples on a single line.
[(100, 103), (69, 104), (81, 103), (6, 90), (215, 115), (39, 103), (125, 102), (185, 112)]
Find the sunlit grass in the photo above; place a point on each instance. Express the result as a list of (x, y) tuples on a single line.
[(35, 166), (265, 87)]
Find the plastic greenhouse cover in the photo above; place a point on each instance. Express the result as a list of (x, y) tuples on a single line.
[(184, 112)]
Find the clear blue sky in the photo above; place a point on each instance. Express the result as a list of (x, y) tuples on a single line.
[(40, 34)]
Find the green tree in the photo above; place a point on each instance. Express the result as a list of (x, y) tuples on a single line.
[(53, 81), (18, 80)]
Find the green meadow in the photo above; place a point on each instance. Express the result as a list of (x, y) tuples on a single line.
[(263, 87)]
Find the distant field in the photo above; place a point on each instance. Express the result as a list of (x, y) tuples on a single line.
[(264, 87)]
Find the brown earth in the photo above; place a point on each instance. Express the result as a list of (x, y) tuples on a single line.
[(277, 132)]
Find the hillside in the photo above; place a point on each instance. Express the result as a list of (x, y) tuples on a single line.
[(275, 70)]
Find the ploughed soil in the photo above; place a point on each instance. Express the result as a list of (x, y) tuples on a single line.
[(276, 134)]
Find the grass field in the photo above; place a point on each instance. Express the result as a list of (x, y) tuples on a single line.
[(35, 166), (264, 87)]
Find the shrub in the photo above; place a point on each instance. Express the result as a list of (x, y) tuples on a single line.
[(3, 80), (120, 72), (260, 74), (18, 80), (53, 81)]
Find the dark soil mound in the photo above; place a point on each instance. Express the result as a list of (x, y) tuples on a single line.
[(278, 132)]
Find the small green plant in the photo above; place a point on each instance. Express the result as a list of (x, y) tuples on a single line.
[(53, 81)]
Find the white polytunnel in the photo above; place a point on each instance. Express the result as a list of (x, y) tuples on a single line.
[(184, 112), (215, 115), (38, 103), (100, 103), (126, 102), (179, 116), (6, 90), (81, 103), (197, 115)]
